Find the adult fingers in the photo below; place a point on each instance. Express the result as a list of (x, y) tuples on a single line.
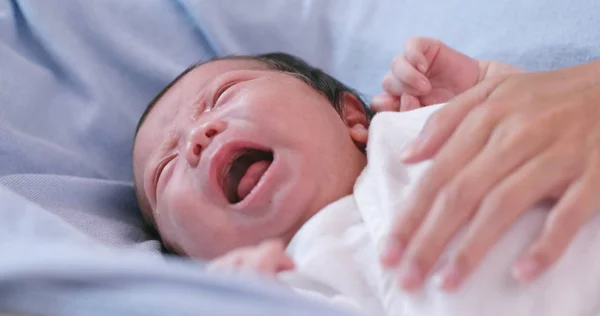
[(502, 206), (460, 196), (564, 221), (449, 162), (443, 123)]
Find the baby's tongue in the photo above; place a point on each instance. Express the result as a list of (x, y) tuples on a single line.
[(250, 179)]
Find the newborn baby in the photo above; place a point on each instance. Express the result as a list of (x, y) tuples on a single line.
[(242, 157), (244, 149)]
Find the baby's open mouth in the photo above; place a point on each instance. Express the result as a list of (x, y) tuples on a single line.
[(244, 171)]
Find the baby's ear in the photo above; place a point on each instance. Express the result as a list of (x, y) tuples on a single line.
[(355, 118)]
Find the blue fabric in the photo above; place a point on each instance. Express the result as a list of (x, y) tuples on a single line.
[(75, 76), (355, 40), (50, 268)]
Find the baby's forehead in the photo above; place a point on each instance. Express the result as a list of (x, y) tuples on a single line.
[(188, 86), (185, 91)]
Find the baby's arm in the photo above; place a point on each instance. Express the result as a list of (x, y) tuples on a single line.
[(267, 258), (429, 72)]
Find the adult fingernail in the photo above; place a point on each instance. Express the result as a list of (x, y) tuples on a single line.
[(410, 277), (450, 278), (423, 85), (526, 270), (392, 253), (411, 149)]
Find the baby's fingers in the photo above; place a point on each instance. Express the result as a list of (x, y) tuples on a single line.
[(285, 263), (416, 50), (404, 78), (226, 263), (384, 102), (270, 258), (409, 103)]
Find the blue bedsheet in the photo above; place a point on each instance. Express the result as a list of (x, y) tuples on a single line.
[(50, 268), (75, 76)]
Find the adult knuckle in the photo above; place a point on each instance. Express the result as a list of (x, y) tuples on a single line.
[(424, 257), (537, 125), (430, 180), (464, 259), (497, 200), (506, 137), (455, 196), (485, 115), (407, 224), (562, 223)]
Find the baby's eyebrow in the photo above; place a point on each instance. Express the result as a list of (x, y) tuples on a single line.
[(198, 103)]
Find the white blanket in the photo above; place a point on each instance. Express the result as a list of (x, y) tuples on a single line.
[(336, 251)]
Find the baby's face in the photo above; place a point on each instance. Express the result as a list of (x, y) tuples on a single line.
[(235, 153)]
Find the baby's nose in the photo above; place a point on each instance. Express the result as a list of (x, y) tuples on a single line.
[(200, 137)]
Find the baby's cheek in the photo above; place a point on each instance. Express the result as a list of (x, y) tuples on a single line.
[(175, 217), (200, 230)]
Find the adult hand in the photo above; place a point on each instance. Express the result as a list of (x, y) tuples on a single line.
[(497, 149)]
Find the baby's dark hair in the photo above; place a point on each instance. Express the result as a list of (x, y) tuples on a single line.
[(317, 79), (326, 85)]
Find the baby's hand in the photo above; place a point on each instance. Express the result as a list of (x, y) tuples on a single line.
[(267, 258), (427, 72)]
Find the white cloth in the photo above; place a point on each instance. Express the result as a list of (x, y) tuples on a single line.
[(337, 249)]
